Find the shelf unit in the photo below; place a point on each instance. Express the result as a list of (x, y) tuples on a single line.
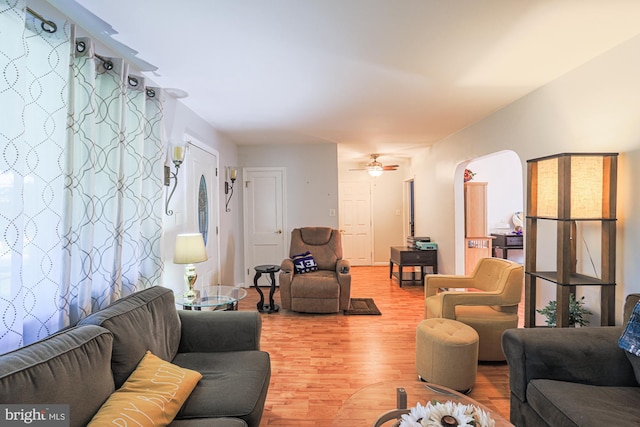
[(569, 188), (476, 243)]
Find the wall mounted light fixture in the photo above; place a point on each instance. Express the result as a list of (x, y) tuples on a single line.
[(231, 174), (177, 157)]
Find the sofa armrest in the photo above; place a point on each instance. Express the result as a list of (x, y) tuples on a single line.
[(581, 355), (219, 331), (434, 282), (451, 299)]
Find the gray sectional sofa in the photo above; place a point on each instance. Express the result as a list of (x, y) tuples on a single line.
[(83, 365), (571, 376)]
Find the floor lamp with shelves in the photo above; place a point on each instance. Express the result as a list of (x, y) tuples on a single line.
[(567, 189)]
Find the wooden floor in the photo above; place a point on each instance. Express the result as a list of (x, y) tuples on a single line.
[(319, 361)]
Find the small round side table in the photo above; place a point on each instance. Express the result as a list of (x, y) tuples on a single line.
[(270, 269)]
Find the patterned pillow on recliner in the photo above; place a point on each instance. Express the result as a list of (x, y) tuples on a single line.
[(304, 263)]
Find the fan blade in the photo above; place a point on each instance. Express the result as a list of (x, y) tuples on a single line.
[(390, 167)]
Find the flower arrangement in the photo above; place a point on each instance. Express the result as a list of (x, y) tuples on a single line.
[(436, 414), (468, 175)]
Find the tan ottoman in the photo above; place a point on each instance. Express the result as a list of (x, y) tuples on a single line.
[(447, 353)]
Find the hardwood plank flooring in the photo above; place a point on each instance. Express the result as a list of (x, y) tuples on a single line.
[(319, 361)]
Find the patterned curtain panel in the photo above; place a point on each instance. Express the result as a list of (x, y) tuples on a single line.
[(33, 96), (115, 220), (80, 179)]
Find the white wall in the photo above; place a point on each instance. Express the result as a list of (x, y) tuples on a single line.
[(312, 179), (503, 174), (594, 108)]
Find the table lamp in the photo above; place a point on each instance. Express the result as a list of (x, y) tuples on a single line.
[(190, 250)]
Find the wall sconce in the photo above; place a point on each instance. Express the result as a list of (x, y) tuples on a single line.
[(177, 157), (230, 179)]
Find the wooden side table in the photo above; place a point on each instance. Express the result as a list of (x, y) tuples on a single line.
[(505, 242), (409, 257)]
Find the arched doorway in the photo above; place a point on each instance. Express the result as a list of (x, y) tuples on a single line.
[(503, 173)]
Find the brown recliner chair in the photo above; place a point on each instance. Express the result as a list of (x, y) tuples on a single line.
[(491, 307), (326, 290)]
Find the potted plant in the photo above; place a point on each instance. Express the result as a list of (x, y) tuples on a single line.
[(577, 311)]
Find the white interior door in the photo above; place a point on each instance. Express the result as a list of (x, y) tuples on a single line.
[(202, 211), (355, 222), (264, 226)]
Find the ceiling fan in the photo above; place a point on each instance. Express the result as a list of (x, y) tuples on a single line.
[(375, 168)]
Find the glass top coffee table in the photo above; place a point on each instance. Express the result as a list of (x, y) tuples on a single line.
[(368, 406), (218, 298)]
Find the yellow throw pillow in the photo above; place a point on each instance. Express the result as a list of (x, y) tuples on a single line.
[(152, 395)]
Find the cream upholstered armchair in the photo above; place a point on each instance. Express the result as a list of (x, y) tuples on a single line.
[(491, 307), (322, 281)]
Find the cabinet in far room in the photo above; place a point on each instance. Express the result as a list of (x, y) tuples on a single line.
[(477, 241)]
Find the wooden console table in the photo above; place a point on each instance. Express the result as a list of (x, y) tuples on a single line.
[(505, 242), (408, 257)]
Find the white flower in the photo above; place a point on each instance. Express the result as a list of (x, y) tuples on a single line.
[(483, 419), (460, 412), (432, 413), (413, 418)]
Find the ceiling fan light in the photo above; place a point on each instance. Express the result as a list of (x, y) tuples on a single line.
[(375, 170)]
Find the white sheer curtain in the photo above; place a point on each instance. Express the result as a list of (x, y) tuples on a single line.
[(80, 179)]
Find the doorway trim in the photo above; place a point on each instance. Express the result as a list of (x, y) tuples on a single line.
[(408, 214), (215, 202), (248, 261), (367, 187)]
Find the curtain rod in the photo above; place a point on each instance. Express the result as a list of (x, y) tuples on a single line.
[(106, 62), (45, 24), (81, 46)]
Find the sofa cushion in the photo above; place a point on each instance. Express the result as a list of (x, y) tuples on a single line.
[(562, 403), (233, 384), (145, 320), (69, 367), (316, 284), (154, 392)]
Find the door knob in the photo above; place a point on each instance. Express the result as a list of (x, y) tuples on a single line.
[(279, 231)]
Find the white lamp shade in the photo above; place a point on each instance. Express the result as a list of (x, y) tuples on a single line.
[(189, 249)]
